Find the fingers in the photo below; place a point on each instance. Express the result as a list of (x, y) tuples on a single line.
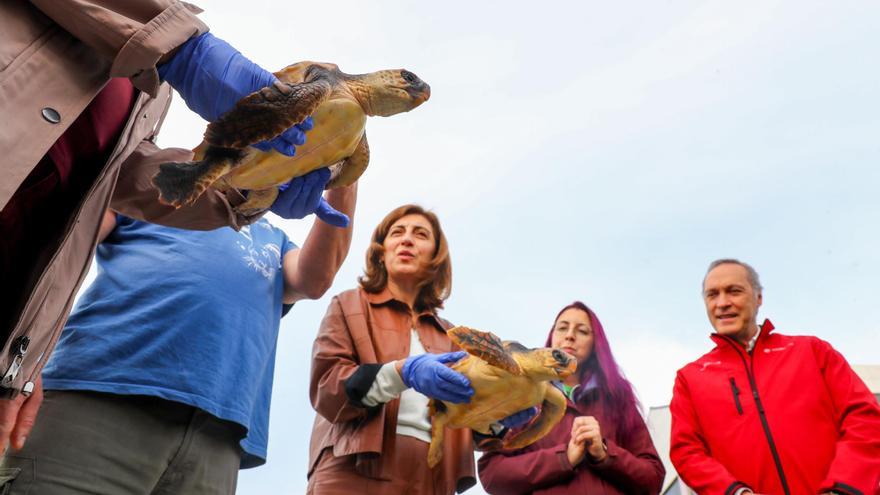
[(306, 125), (331, 216), (585, 428), (451, 357), (452, 393), (284, 202), (520, 417), (302, 196), (294, 136), (8, 416), (287, 141), (454, 386), (454, 377), (312, 191), (27, 416)]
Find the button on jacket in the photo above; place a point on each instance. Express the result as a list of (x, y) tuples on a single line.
[(791, 417), (55, 57)]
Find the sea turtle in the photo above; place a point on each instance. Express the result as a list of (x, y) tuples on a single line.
[(338, 102), (507, 378)]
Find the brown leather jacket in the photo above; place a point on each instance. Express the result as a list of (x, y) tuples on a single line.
[(59, 54), (361, 328)]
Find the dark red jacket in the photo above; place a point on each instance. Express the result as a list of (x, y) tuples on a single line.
[(631, 468), (789, 418)]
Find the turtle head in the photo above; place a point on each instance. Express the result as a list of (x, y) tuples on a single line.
[(389, 92), (546, 364)]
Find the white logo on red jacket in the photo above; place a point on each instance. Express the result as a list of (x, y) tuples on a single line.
[(778, 349), (710, 363)]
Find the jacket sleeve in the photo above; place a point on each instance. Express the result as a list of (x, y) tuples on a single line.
[(855, 469), (134, 35), (525, 470), (689, 452), (635, 468), (136, 197), (334, 361)]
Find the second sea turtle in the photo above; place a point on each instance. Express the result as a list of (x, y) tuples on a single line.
[(507, 378)]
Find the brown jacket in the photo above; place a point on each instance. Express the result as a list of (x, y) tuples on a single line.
[(361, 328), (58, 54)]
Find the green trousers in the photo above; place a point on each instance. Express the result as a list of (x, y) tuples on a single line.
[(97, 443)]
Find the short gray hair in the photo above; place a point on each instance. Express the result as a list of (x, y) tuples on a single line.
[(754, 280)]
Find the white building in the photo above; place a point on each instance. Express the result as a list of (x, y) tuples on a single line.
[(660, 425)]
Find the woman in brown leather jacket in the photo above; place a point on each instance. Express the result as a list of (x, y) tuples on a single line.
[(380, 354)]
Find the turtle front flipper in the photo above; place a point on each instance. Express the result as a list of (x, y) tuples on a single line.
[(552, 410), (181, 184), (485, 345), (353, 167), (267, 113), (439, 417), (258, 201)]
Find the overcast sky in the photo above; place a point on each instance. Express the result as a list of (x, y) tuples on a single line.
[(605, 152)]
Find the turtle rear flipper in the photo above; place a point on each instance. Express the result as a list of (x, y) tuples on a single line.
[(182, 183), (485, 345), (439, 417), (353, 167), (267, 113), (552, 411)]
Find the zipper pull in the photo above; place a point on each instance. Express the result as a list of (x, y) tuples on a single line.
[(18, 350), (735, 391)]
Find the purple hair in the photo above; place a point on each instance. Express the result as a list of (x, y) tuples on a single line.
[(619, 398)]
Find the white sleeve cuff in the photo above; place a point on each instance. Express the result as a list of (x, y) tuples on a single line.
[(387, 385)]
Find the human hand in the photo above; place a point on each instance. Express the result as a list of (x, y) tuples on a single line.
[(304, 195), (429, 375), (211, 76), (17, 417), (586, 439), (519, 418)]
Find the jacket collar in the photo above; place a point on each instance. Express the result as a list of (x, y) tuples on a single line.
[(385, 297), (763, 332)]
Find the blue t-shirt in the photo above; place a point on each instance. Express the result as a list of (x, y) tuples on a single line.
[(187, 316)]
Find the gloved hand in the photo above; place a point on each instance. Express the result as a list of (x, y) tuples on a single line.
[(519, 418), (428, 374), (211, 76), (303, 196)]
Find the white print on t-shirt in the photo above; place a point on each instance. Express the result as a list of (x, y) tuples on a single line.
[(266, 260)]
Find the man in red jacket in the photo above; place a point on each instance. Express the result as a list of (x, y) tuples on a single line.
[(769, 413)]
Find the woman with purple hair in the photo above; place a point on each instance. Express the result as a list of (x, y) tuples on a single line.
[(601, 445)]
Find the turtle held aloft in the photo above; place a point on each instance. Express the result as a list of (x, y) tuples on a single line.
[(507, 378), (339, 104)]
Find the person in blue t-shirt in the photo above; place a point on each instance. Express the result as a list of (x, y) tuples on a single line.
[(162, 378)]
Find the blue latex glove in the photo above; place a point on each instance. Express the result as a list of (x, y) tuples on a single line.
[(211, 76), (428, 375), (519, 418), (303, 196)]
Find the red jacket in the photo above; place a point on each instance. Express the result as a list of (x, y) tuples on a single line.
[(543, 468), (791, 417)]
